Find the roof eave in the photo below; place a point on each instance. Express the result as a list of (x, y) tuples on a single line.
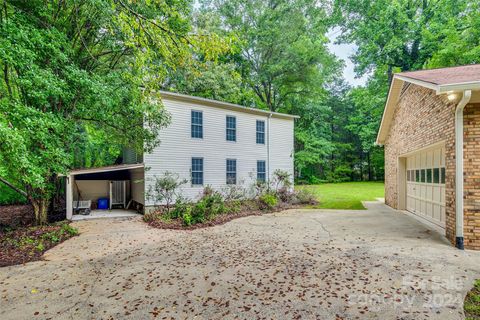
[(209, 102), (105, 169), (392, 99)]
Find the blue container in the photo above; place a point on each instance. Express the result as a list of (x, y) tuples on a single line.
[(102, 204)]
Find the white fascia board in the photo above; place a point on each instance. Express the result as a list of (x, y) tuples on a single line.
[(421, 83), (106, 169), (456, 87), (388, 105)]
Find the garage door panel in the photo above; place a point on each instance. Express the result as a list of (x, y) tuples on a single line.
[(426, 185)]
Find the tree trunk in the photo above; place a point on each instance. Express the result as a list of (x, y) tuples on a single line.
[(40, 210)]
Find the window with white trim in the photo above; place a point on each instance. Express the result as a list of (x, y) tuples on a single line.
[(260, 132), (197, 124), (231, 171), (261, 171), (197, 171), (231, 125)]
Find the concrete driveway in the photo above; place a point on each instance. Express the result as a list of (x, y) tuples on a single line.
[(297, 264)]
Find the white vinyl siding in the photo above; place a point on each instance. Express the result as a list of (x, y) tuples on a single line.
[(177, 148)]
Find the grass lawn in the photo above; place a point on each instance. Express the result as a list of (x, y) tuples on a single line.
[(346, 195), (472, 302)]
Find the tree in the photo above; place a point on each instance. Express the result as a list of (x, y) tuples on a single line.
[(400, 34), (84, 66), (394, 36), (283, 52)]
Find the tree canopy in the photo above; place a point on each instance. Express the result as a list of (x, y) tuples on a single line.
[(84, 73)]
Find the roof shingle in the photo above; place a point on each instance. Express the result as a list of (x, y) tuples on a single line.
[(446, 76)]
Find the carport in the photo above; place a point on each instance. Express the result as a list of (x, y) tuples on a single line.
[(123, 186)]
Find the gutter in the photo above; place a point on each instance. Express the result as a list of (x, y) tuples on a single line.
[(467, 94)]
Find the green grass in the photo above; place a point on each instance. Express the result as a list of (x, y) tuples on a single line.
[(472, 302), (346, 195)]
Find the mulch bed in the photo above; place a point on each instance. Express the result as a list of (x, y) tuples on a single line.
[(16, 215), (177, 224), (27, 244)]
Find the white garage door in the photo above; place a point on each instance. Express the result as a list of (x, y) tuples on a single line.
[(426, 184)]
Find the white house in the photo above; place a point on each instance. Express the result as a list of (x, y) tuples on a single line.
[(207, 142)]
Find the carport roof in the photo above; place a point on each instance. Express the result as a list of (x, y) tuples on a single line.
[(116, 167), (445, 80)]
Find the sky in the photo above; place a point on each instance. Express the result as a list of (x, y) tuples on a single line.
[(344, 51)]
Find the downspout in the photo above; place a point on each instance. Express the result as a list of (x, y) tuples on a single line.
[(467, 94), (268, 148)]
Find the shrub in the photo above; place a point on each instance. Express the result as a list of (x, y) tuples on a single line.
[(234, 206), (187, 217), (268, 201), (281, 180), (259, 188), (304, 196), (68, 229), (286, 195), (181, 206), (199, 212), (341, 173), (165, 189), (234, 192)]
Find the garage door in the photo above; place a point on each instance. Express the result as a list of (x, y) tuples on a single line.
[(426, 184)]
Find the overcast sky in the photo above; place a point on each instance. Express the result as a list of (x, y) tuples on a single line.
[(343, 51)]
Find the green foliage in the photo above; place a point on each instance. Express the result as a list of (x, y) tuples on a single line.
[(9, 196), (40, 238), (187, 217), (79, 77), (341, 173), (282, 51), (472, 302), (268, 201)]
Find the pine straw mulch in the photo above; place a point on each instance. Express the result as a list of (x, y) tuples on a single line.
[(27, 244), (177, 224)]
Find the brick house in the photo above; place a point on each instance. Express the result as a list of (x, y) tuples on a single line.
[(431, 133)]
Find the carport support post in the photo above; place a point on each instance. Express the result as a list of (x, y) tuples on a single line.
[(69, 197)]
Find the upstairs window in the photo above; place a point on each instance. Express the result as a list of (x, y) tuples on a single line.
[(231, 128), (197, 171), (197, 124), (260, 132), (231, 171), (261, 171)]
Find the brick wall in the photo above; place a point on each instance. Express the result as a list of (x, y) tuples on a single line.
[(421, 119), (471, 168)]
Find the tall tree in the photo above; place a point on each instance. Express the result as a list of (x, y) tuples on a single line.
[(68, 66), (401, 34), (283, 49)]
